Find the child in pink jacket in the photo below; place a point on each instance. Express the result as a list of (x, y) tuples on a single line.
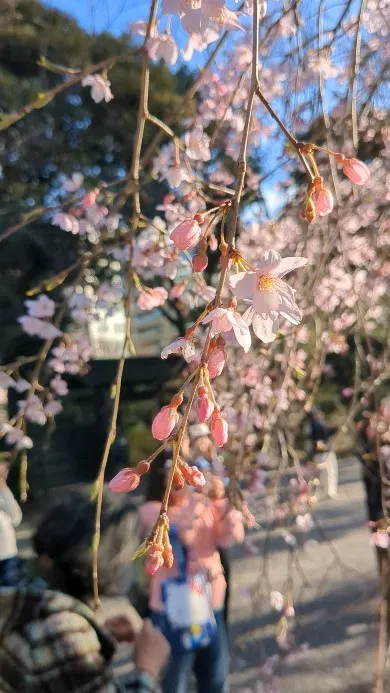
[(201, 524)]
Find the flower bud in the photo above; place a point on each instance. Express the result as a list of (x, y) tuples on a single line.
[(200, 262), (126, 480), (323, 201), (186, 235), (356, 171), (218, 429), (204, 406), (164, 422), (216, 362)]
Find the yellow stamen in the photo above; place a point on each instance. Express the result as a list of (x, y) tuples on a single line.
[(266, 282)]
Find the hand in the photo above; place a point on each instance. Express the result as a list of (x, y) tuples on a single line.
[(151, 649), (120, 627)]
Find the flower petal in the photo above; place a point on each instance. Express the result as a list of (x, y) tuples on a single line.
[(289, 264), (243, 284), (242, 333), (265, 328)]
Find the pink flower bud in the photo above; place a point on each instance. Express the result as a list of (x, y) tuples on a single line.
[(216, 362), (186, 234), (219, 429), (323, 201), (213, 243), (126, 480), (199, 262), (164, 422), (356, 171), (154, 560), (178, 290), (89, 199), (198, 479), (204, 406)]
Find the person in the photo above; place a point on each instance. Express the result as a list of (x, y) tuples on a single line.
[(320, 435), (205, 457), (198, 524), (10, 518), (50, 639)]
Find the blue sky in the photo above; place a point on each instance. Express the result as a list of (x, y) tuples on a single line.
[(103, 15)]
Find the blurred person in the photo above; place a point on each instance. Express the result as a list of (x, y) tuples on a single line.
[(205, 457), (49, 637), (320, 434), (198, 638), (10, 518)]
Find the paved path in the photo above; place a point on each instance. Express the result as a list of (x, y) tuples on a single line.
[(336, 613)]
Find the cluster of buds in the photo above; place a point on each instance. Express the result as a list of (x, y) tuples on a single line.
[(319, 199), (165, 421), (159, 547), (184, 474)]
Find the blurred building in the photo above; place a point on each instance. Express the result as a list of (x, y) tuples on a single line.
[(151, 331)]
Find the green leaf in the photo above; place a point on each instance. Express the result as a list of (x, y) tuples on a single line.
[(141, 550)]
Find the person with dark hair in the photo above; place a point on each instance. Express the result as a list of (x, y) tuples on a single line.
[(187, 600), (49, 637)]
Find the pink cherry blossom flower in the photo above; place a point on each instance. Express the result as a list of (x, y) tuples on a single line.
[(32, 409), (66, 222), (100, 87), (164, 422), (186, 235), (163, 48), (271, 297), (53, 408), (200, 262), (39, 328), (152, 298), (182, 346), (355, 170), (216, 362), (73, 183), (276, 600), (323, 201), (42, 307), (219, 429), (126, 480), (178, 290), (21, 385), (226, 319), (59, 386), (15, 436), (197, 144)]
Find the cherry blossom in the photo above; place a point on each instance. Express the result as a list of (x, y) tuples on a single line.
[(53, 408), (152, 298), (73, 183), (197, 144), (187, 234), (39, 328), (15, 436), (181, 346), (163, 48), (276, 600), (42, 307), (66, 222), (226, 319), (126, 480), (100, 87), (59, 386), (271, 297), (32, 409)]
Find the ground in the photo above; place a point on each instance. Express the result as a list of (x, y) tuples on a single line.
[(336, 610)]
